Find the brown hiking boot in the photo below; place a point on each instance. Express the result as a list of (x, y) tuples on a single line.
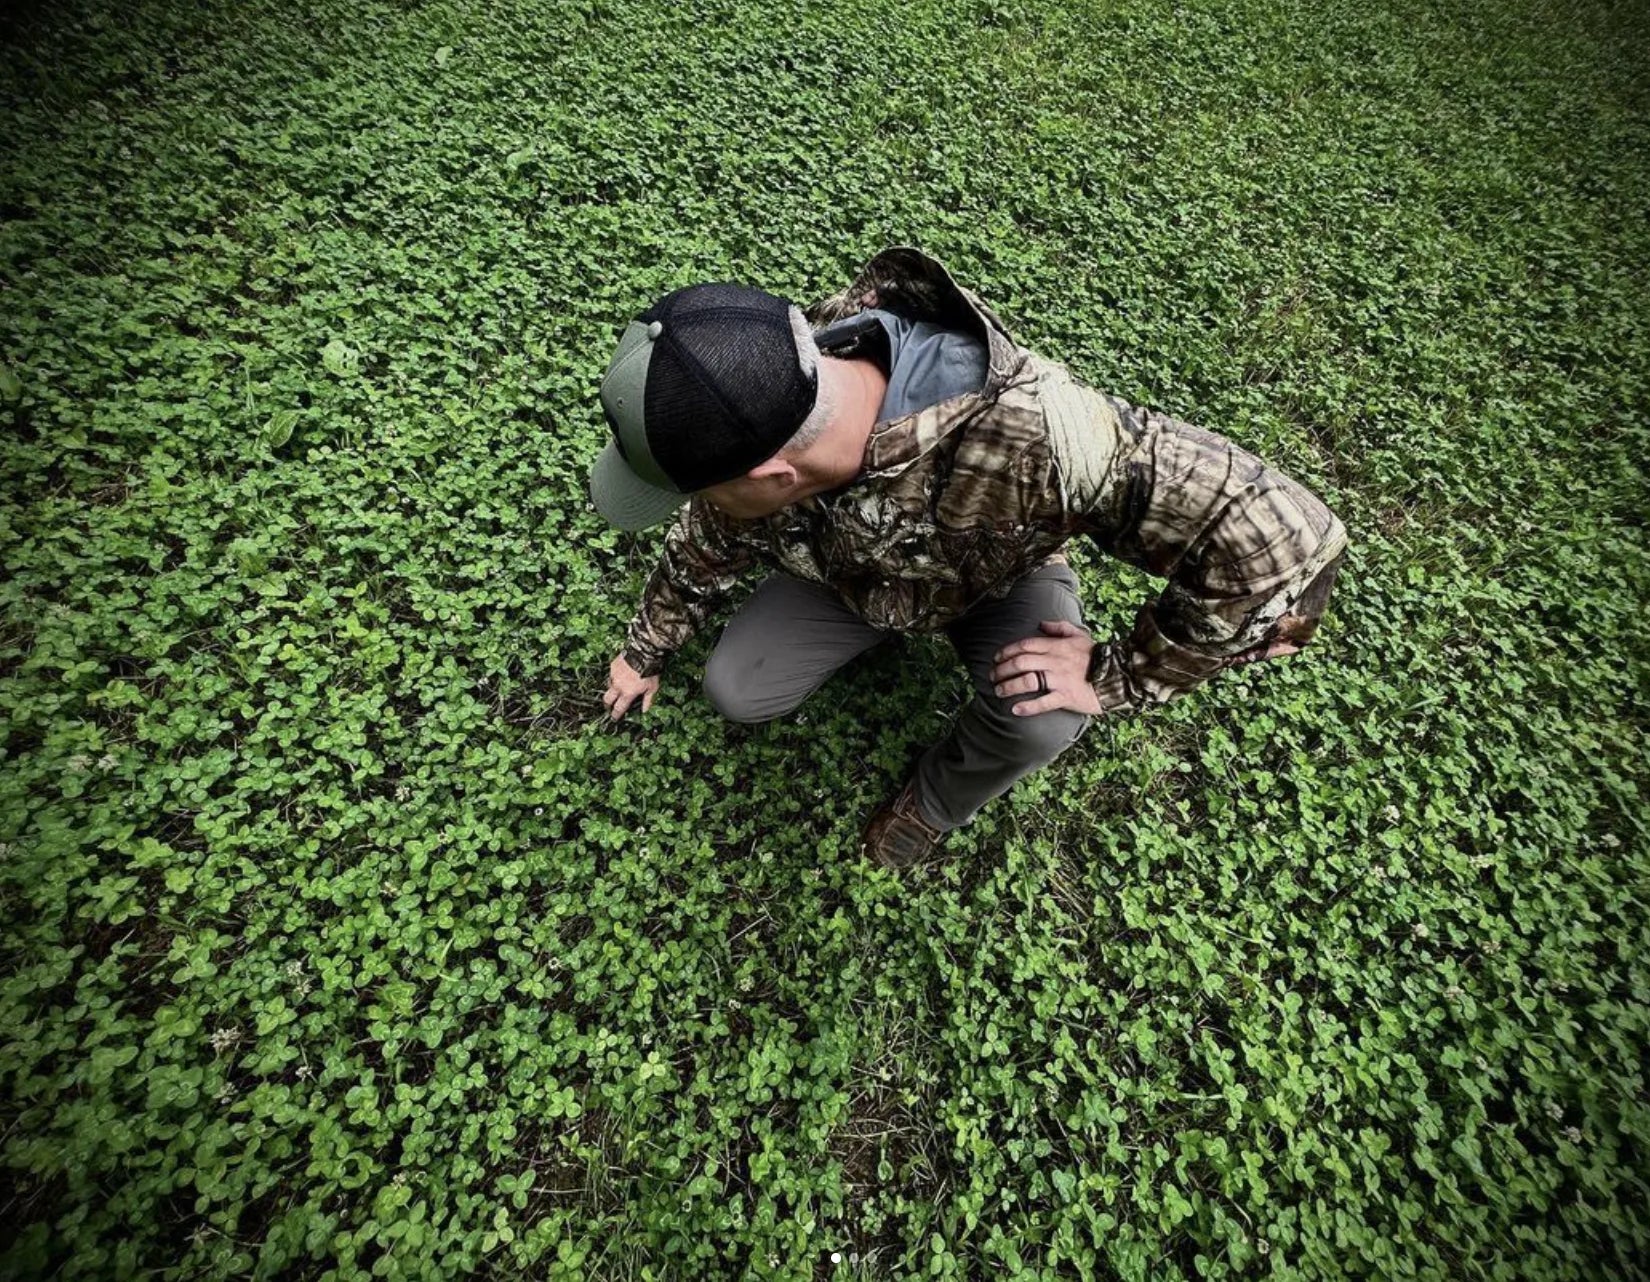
[(897, 835)]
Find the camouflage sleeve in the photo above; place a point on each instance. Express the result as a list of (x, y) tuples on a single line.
[(700, 565), (1250, 554)]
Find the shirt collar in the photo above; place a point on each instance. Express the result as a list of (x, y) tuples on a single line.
[(917, 284)]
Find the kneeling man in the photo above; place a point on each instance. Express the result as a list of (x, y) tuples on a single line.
[(901, 464)]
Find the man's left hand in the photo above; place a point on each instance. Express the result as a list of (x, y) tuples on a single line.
[(1061, 654)]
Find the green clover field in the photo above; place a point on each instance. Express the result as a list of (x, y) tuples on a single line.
[(342, 935)]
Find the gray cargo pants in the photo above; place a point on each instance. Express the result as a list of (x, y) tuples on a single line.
[(791, 635)]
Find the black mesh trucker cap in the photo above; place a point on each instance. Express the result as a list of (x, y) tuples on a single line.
[(705, 385)]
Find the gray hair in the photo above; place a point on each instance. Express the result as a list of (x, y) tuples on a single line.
[(824, 410)]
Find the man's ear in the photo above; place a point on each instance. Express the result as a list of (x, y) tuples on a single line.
[(776, 466)]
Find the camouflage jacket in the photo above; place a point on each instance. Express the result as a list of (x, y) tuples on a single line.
[(954, 503)]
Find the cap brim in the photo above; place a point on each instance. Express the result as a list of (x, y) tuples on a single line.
[(626, 500)]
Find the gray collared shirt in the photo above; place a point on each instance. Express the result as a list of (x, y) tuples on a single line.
[(925, 363)]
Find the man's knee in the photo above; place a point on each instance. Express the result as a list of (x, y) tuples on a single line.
[(1043, 736), (729, 691)]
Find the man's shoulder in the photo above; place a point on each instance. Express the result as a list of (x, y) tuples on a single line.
[(1006, 469), (1083, 429)]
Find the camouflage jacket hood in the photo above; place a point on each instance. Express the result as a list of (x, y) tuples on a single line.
[(955, 502)]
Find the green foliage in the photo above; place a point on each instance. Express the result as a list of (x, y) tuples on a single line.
[(343, 939)]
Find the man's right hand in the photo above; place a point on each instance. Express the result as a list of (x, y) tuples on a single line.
[(624, 686)]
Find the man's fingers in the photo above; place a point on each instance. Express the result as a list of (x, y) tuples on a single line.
[(1056, 642), (1026, 645), (619, 703), (1026, 662), (1016, 685), (1031, 707)]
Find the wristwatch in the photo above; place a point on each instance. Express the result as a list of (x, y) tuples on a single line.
[(1097, 659)]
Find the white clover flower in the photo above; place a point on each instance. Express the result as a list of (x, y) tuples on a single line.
[(79, 763), (1453, 991), (1419, 930), (224, 1038), (107, 761), (1573, 1134), (1555, 1110), (1391, 813)]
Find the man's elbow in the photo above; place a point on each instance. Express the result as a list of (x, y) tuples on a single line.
[(1299, 624)]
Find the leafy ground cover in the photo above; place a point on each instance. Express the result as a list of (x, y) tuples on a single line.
[(342, 937)]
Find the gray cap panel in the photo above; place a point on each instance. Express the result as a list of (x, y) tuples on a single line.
[(625, 501), (623, 391)]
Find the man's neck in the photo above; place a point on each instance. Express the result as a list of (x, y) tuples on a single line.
[(860, 387)]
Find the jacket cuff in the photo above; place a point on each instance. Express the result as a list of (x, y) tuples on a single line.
[(1161, 661), (647, 663), (1147, 668), (1109, 679)]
